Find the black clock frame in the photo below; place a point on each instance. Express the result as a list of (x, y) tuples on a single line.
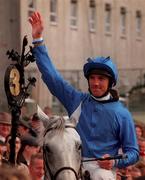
[(16, 102)]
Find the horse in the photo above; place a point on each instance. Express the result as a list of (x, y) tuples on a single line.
[(61, 149)]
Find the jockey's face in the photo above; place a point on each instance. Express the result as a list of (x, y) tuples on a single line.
[(98, 84)]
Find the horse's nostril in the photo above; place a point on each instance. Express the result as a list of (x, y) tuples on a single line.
[(87, 175)]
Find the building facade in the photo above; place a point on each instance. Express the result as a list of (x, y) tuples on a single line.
[(75, 30)]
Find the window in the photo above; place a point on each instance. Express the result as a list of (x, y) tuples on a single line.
[(73, 13), (31, 6), (31, 3), (138, 23), (107, 17), (53, 11), (123, 20), (92, 16)]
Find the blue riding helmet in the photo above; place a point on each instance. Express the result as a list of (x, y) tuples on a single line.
[(101, 63)]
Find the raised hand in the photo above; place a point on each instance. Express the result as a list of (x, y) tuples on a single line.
[(37, 25)]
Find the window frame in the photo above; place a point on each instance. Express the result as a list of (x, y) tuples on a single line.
[(31, 6), (92, 16), (108, 17), (73, 14), (53, 12), (138, 17), (123, 20)]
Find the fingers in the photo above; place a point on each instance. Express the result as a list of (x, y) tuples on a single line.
[(35, 18), (37, 25), (106, 164), (106, 155), (39, 16)]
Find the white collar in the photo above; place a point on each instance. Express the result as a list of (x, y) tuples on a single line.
[(105, 98)]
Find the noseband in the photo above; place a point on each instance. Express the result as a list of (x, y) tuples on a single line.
[(53, 177)]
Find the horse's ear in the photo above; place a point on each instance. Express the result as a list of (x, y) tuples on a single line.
[(43, 117), (73, 121)]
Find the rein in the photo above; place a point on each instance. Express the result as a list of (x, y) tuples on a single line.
[(53, 177), (119, 156)]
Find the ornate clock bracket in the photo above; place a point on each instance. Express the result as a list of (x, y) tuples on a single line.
[(16, 88)]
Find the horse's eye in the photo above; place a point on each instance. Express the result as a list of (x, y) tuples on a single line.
[(79, 146), (46, 148)]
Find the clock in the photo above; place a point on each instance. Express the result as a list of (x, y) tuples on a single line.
[(13, 83)]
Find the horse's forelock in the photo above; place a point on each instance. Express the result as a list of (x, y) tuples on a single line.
[(56, 122), (53, 125)]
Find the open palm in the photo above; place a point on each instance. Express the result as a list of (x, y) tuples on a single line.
[(37, 25)]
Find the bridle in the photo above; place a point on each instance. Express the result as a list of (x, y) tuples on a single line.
[(54, 176)]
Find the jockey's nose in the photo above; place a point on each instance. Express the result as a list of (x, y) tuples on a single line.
[(96, 81)]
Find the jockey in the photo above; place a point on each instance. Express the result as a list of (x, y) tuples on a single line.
[(103, 123)]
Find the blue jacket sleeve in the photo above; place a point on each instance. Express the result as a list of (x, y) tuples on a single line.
[(128, 138), (60, 88)]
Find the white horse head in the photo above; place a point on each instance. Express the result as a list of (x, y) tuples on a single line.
[(61, 149)]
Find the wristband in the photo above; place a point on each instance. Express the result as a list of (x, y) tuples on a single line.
[(37, 41)]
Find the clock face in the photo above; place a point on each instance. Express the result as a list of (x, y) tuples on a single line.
[(14, 82)]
